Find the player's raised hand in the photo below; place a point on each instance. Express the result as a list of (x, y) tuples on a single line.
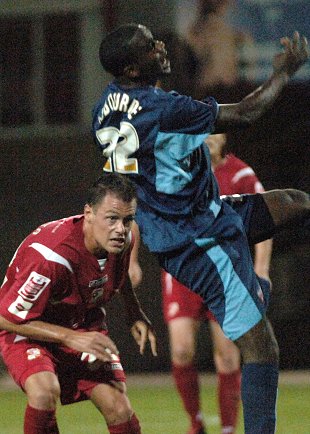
[(294, 55), (143, 332)]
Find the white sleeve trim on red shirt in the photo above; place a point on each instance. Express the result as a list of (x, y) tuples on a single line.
[(242, 173), (50, 255), (258, 187), (19, 338), (168, 283)]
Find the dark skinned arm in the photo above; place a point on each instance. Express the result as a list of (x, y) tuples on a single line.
[(253, 106)]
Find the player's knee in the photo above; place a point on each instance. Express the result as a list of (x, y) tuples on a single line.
[(182, 355), (226, 362), (120, 411), (297, 197), (297, 204), (44, 397), (259, 344), (287, 206)]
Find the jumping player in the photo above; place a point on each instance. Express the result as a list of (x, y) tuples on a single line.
[(54, 339), (156, 138)]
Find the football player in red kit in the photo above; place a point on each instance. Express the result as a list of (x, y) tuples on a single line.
[(54, 339)]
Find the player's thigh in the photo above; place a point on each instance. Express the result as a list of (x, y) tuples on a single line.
[(32, 367), (225, 352), (180, 302), (112, 401), (183, 336)]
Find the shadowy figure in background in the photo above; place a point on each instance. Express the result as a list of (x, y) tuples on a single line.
[(219, 47)]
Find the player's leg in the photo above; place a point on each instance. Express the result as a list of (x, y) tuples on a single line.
[(43, 392), (227, 363), (183, 310), (32, 368), (105, 386), (288, 207), (224, 277), (264, 214), (244, 322), (260, 360), (113, 403), (182, 338), (260, 354)]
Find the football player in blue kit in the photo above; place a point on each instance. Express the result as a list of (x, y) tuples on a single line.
[(157, 138)]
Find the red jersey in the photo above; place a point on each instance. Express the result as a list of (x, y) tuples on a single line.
[(54, 278), (234, 176)]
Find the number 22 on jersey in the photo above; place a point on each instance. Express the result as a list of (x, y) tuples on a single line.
[(117, 145)]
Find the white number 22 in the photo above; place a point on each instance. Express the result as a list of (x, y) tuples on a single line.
[(121, 143)]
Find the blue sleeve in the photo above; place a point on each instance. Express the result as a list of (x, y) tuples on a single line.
[(186, 115)]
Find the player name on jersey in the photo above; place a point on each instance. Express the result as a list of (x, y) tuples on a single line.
[(121, 102)]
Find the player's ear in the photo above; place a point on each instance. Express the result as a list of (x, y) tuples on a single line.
[(132, 71), (88, 212)]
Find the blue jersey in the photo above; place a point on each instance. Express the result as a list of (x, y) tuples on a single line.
[(156, 138)]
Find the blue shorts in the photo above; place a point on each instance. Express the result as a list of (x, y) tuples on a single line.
[(218, 266)]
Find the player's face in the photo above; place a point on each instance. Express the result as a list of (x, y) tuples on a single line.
[(108, 224), (151, 55)]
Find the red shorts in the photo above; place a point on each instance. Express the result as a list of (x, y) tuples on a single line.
[(76, 378), (178, 301)]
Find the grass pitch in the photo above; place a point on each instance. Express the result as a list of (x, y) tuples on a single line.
[(159, 409)]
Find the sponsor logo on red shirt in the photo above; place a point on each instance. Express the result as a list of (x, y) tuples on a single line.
[(28, 294)]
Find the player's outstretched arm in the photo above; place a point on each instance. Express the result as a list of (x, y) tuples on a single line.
[(101, 346), (140, 326), (295, 54)]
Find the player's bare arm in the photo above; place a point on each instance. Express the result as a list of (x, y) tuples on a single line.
[(140, 326), (285, 64), (95, 343), (135, 271), (141, 330)]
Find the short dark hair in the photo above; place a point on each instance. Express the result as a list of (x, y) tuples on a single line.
[(115, 52), (114, 183)]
